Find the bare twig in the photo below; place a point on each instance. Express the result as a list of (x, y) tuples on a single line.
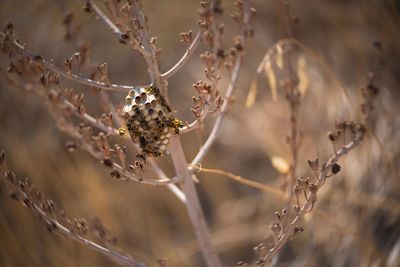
[(240, 179), (308, 205), (189, 52), (171, 186), (213, 134), (149, 53), (65, 231), (232, 86), (85, 116), (196, 123), (121, 35), (116, 167), (69, 75)]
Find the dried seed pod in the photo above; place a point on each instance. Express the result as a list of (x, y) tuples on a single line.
[(149, 120)]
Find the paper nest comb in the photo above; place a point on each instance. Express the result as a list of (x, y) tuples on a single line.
[(149, 120)]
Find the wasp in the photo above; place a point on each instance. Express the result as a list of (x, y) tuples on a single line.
[(175, 124), (142, 156), (160, 97), (160, 124), (139, 114), (142, 142)]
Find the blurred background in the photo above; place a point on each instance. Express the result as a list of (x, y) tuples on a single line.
[(359, 219)]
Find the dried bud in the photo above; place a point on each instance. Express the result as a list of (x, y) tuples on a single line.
[(123, 38), (335, 168), (314, 164), (107, 162), (313, 188), (68, 65), (334, 136), (298, 229), (87, 8), (186, 37), (115, 174), (238, 44), (70, 146)]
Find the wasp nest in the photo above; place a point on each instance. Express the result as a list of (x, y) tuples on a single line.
[(149, 120)]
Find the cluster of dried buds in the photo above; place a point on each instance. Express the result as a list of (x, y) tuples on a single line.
[(130, 27), (346, 130), (305, 187), (209, 99), (208, 13), (288, 223), (30, 197), (26, 193), (97, 144)]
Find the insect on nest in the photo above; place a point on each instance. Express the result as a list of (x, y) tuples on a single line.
[(149, 120)]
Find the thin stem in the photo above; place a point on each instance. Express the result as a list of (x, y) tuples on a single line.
[(211, 138), (264, 187), (65, 231), (69, 75), (114, 255), (195, 124), (115, 166), (149, 53), (85, 116), (310, 202), (172, 187), (193, 206), (107, 21), (229, 92), (189, 52)]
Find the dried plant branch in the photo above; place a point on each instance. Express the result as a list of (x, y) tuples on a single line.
[(83, 115), (213, 134), (280, 194), (195, 124), (192, 203), (172, 187), (232, 85), (149, 52), (121, 35), (264, 187), (119, 171), (73, 132), (20, 191), (189, 52), (114, 255), (325, 172), (69, 75), (193, 206)]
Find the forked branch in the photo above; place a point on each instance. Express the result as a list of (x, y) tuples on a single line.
[(189, 52)]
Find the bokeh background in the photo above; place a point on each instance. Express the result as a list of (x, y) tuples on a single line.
[(359, 222)]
